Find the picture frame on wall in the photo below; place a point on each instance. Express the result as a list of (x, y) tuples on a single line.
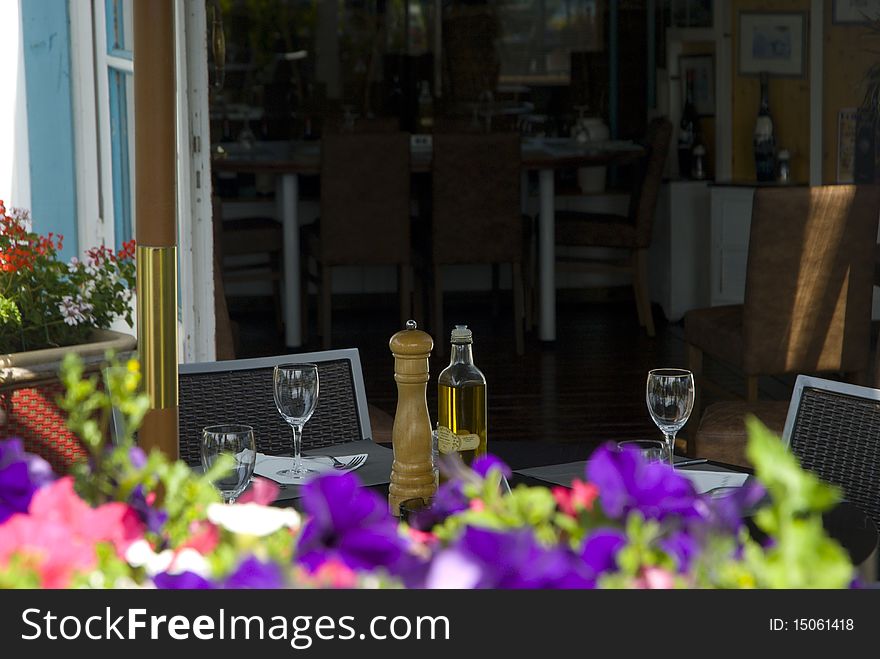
[(855, 12), (772, 42), (703, 67)]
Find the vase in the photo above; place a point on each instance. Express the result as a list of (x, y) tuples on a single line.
[(30, 386)]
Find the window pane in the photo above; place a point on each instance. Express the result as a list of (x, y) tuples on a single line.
[(119, 26), (537, 37), (120, 135)]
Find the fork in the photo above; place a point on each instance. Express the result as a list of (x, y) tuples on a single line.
[(356, 461)]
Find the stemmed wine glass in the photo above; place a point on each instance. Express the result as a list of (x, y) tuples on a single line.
[(670, 398), (296, 395), (237, 441)]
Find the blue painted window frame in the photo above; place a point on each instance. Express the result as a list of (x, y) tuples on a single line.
[(119, 124)]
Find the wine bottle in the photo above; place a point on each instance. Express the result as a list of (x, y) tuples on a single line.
[(462, 401), (764, 138), (688, 130)]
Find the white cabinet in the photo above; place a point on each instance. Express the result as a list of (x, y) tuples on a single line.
[(678, 260), (729, 251)]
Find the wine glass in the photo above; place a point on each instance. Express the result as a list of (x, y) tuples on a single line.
[(237, 441), (296, 395), (670, 398), (651, 450)]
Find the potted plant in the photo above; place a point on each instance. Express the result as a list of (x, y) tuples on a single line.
[(48, 308)]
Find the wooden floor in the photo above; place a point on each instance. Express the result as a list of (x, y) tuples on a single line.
[(587, 387)]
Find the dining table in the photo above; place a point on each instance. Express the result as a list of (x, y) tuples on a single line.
[(289, 160)]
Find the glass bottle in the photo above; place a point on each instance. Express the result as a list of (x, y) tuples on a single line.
[(688, 129), (764, 137), (462, 401)]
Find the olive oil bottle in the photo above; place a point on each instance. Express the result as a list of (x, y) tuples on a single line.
[(462, 401)]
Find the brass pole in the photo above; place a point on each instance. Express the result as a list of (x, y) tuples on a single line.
[(155, 213)]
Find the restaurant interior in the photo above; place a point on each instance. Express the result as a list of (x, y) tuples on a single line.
[(594, 91), (475, 251)]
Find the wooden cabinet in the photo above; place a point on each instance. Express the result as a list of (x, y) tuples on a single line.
[(678, 260)]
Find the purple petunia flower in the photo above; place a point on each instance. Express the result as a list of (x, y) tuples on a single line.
[(182, 581), (448, 500), (627, 482), (726, 512), (137, 457), (484, 558), (682, 546), (153, 518), (484, 463), (21, 474), (600, 549), (348, 523), (254, 573)]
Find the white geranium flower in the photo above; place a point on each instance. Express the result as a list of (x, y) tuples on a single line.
[(74, 312), (252, 518)]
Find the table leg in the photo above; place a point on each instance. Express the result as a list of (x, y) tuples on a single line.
[(547, 256), (287, 198)]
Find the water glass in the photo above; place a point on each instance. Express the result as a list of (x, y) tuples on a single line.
[(236, 441), (670, 398), (296, 396), (651, 450)]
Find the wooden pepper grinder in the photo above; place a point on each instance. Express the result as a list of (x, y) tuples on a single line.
[(412, 472)]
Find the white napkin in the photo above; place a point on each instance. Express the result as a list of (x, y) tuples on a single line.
[(709, 480), (268, 466)]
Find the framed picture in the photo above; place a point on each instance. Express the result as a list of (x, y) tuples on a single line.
[(855, 11), (847, 120), (773, 43), (703, 70)]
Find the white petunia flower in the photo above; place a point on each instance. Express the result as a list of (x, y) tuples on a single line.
[(141, 554), (252, 518)]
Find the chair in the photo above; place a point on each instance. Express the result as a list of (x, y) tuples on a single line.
[(807, 299), (250, 249), (631, 232), (834, 430), (365, 213), (241, 391), (476, 214)]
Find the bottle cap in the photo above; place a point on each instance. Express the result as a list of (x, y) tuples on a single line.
[(783, 154), (461, 334)]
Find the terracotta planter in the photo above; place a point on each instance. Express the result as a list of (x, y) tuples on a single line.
[(29, 386)]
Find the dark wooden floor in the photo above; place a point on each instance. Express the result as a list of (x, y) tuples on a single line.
[(587, 387)]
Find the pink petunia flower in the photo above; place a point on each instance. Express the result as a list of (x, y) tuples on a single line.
[(60, 532)]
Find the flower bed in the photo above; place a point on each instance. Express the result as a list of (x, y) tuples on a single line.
[(131, 520)]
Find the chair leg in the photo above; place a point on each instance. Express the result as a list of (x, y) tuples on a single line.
[(404, 283), (695, 365), (275, 268), (496, 288), (752, 388), (644, 296), (418, 298), (637, 289), (326, 304), (518, 307), (439, 343)]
